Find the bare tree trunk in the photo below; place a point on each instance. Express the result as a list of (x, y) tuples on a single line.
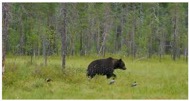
[(151, 35), (32, 53), (102, 48), (106, 25), (21, 41), (98, 40), (72, 46), (5, 25), (63, 33), (127, 42), (161, 32), (45, 50), (175, 35), (118, 38), (161, 45), (133, 33), (81, 44)]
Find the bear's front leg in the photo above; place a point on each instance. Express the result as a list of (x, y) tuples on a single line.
[(109, 76), (114, 76), (112, 81)]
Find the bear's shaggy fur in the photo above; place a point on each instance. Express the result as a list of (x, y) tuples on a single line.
[(105, 67)]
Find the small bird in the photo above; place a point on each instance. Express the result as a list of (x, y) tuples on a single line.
[(111, 82), (48, 80), (134, 84)]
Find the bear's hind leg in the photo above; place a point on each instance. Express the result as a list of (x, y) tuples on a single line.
[(91, 76)]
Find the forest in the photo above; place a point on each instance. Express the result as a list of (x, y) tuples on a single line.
[(130, 29), (71, 35)]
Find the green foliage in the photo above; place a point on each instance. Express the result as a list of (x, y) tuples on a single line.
[(156, 80), (141, 27)]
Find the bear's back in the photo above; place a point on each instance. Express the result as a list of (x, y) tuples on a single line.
[(101, 66), (101, 63)]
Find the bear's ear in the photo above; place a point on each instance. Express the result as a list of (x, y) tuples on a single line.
[(120, 59)]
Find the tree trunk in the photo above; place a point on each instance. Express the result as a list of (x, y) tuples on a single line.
[(102, 48), (133, 33), (106, 25), (161, 44), (81, 45), (118, 38), (5, 26), (21, 47), (98, 40), (126, 11), (32, 53), (72, 46), (175, 35), (21, 38), (63, 33), (45, 50)]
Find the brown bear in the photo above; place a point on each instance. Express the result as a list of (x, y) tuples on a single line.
[(105, 67)]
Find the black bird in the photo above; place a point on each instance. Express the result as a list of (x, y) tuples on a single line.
[(134, 84)]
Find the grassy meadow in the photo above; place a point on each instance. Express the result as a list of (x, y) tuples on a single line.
[(167, 79)]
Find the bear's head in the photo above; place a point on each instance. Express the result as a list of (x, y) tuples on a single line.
[(119, 64)]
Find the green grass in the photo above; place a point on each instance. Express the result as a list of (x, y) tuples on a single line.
[(156, 80)]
